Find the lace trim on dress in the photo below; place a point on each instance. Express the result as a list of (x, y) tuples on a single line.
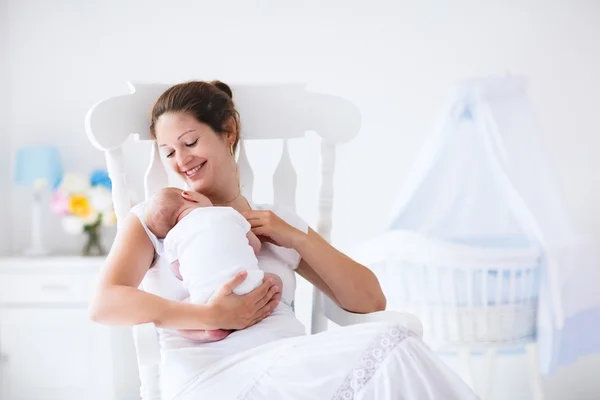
[(370, 361)]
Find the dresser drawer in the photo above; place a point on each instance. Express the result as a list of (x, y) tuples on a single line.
[(45, 288)]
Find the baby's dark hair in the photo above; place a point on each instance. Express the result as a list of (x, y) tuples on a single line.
[(162, 209)]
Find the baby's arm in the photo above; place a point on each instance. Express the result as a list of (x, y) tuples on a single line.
[(254, 242)]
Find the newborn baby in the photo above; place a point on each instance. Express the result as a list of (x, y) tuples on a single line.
[(205, 245)]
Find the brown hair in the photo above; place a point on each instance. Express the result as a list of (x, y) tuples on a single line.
[(208, 102)]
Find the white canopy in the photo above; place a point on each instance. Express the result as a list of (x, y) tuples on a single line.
[(483, 174)]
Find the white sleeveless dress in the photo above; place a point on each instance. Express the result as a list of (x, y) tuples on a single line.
[(276, 360)]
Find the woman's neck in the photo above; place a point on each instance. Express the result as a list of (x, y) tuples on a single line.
[(238, 202)]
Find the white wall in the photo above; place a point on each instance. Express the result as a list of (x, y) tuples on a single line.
[(4, 130), (396, 60)]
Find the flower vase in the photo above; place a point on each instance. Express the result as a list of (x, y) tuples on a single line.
[(93, 246)]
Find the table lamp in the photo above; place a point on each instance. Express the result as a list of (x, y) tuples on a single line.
[(37, 167)]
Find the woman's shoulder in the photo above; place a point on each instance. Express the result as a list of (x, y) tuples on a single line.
[(286, 213)]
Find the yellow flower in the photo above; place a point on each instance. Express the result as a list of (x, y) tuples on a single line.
[(80, 206)]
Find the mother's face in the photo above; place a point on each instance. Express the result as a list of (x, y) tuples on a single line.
[(194, 151)]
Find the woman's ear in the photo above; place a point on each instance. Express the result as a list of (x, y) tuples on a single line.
[(232, 131)]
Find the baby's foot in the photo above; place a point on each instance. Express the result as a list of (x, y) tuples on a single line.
[(175, 269), (203, 336)]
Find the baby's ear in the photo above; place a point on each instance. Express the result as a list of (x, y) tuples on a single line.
[(188, 196)]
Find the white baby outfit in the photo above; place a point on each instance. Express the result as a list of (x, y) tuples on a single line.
[(211, 246)]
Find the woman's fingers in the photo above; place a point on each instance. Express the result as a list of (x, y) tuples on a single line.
[(277, 296), (255, 223), (259, 231), (255, 214), (264, 238), (258, 218), (261, 224), (257, 294), (265, 311), (235, 282), (265, 299), (268, 308)]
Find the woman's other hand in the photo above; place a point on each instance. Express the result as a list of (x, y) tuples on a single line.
[(230, 311), (268, 226)]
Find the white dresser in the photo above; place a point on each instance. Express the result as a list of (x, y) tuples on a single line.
[(49, 348)]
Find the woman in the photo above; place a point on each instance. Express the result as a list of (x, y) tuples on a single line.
[(198, 129)]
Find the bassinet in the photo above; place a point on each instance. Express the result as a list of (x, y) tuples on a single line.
[(467, 292)]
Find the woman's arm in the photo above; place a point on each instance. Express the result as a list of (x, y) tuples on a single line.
[(351, 285), (118, 301)]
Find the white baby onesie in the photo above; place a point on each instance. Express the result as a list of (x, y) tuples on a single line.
[(211, 246)]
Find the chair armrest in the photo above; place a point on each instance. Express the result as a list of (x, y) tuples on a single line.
[(147, 348), (145, 338), (344, 318)]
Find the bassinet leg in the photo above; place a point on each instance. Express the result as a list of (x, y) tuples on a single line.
[(537, 390), (488, 372), (467, 365)]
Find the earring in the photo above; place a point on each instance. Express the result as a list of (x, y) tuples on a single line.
[(231, 149)]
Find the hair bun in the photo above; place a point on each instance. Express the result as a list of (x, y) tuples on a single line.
[(223, 87)]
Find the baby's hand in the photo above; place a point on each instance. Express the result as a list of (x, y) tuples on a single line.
[(254, 241), (175, 269)]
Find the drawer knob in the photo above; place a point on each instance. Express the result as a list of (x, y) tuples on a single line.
[(55, 287)]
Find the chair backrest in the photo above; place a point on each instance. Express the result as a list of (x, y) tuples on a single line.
[(282, 111), (268, 111)]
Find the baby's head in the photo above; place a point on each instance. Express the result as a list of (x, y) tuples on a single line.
[(165, 208)]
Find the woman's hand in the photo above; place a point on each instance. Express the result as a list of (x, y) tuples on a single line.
[(269, 227), (231, 311), (277, 282), (202, 335)]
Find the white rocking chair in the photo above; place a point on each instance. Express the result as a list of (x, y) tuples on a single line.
[(280, 112)]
